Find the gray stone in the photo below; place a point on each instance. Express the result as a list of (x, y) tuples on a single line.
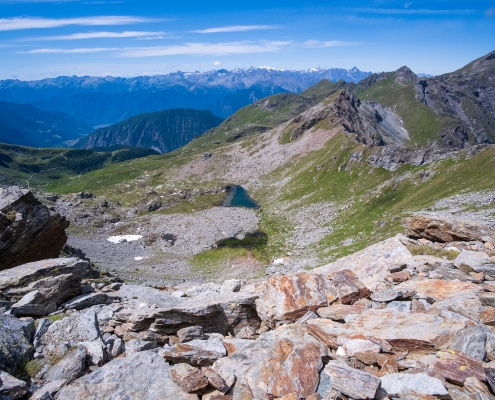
[(231, 285), (44, 282), (12, 387), (400, 305), (487, 299), (79, 327), (474, 341), (195, 352), (473, 259), (351, 382), (114, 346), (385, 296), (29, 231), (43, 325), (86, 301), (143, 373), (48, 389), (137, 345), (69, 368), (421, 383), (190, 333), (15, 342), (306, 317), (95, 354)]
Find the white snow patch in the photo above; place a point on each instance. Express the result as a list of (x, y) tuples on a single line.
[(278, 261), (138, 258), (127, 238)]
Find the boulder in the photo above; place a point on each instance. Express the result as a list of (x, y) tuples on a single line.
[(444, 227), (43, 284), (456, 367), (29, 231), (421, 384), (68, 368), (371, 265), (47, 390), (12, 388), (72, 330), (190, 333), (404, 331), (476, 341), (215, 380), (86, 301), (137, 345), (351, 382), (215, 312), (190, 379), (439, 289), (195, 352), (95, 352), (15, 342), (473, 259), (286, 298), (280, 362), (128, 378)]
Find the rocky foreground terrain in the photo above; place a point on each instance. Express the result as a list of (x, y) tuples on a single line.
[(410, 317)]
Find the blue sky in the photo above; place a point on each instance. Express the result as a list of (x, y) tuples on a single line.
[(46, 38)]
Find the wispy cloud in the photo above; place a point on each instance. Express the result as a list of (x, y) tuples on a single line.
[(11, 24), (418, 11), (328, 43), (100, 35), (202, 49), (70, 51), (490, 12), (238, 28)]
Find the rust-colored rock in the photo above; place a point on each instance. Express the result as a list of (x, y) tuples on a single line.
[(29, 231), (488, 316), (401, 276), (289, 297), (442, 227), (455, 367), (338, 312), (349, 288), (190, 379), (438, 288), (214, 379)]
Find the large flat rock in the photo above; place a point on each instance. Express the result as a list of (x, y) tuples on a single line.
[(280, 362), (444, 227), (439, 289), (29, 231), (127, 378), (371, 264), (54, 280), (403, 330)]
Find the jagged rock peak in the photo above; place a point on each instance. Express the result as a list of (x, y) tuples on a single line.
[(405, 75)]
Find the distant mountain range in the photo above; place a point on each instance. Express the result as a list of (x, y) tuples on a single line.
[(105, 101), (162, 131), (29, 126)]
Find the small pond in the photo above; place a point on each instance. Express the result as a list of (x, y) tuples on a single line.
[(237, 196)]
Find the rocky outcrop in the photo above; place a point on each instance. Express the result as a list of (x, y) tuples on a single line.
[(15, 342), (443, 227), (38, 288), (141, 374), (29, 231)]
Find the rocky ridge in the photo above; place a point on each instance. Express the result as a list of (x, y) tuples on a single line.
[(408, 318)]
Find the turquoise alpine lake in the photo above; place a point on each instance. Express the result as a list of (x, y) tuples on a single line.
[(237, 196)]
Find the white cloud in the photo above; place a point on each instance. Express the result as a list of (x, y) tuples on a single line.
[(70, 51), (418, 11), (11, 24), (205, 49), (328, 43), (238, 28), (100, 35), (216, 63)]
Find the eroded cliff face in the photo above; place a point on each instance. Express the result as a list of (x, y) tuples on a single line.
[(29, 231)]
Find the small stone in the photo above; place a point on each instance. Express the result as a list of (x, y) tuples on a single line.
[(190, 333), (400, 276), (245, 333), (396, 267), (190, 379), (231, 285), (487, 298), (488, 316), (338, 312), (86, 301), (12, 387), (195, 352), (137, 345), (214, 379), (421, 383), (478, 277), (476, 387), (47, 390), (69, 368), (400, 305), (359, 345)]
